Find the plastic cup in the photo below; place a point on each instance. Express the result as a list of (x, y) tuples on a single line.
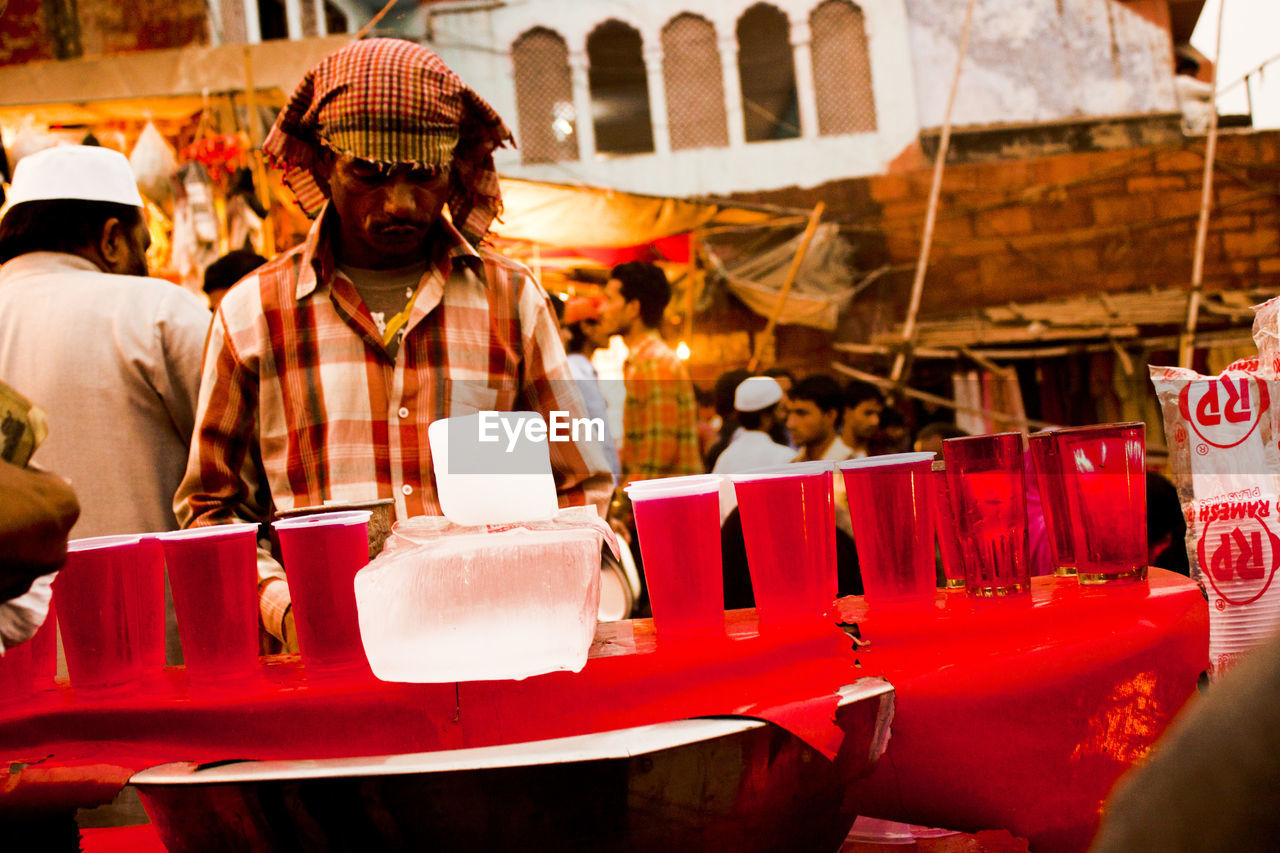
[(1053, 501), (788, 527), (322, 554), (213, 572), (1106, 489), (679, 530), (989, 503), (30, 667), (945, 526), (111, 597), (891, 507)]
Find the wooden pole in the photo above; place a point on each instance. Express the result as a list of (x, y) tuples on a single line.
[(897, 387), (255, 156), (805, 239), (931, 214), (1186, 345)]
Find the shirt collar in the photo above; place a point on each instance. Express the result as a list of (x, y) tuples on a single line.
[(319, 265)]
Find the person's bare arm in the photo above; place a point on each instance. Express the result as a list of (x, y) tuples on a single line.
[(37, 510)]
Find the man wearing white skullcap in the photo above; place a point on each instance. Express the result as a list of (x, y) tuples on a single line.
[(112, 356), (755, 401)]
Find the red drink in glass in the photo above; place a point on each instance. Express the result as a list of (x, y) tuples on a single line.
[(679, 531), (214, 577), (989, 501), (788, 527), (1106, 489), (891, 507), (112, 615), (945, 524), (322, 554), (1053, 501)]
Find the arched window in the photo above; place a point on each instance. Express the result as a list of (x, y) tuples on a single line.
[(619, 90), (544, 97), (767, 72), (841, 69), (695, 87)]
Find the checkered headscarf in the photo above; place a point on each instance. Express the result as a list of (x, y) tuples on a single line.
[(392, 101)]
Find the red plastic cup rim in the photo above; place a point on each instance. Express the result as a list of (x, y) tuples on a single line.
[(97, 543), (689, 487), (789, 471), (669, 482), (211, 531), (343, 518), (966, 439), (889, 460), (1099, 428)]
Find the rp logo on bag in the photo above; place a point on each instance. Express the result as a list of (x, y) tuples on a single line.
[(1239, 557), (1224, 411)]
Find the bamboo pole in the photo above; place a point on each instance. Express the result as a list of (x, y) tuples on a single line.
[(1186, 346), (898, 387), (258, 168), (805, 239), (931, 214)]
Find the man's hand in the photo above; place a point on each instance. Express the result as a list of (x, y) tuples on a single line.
[(37, 510)]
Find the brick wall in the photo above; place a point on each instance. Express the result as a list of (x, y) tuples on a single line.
[(22, 33), (119, 26), (1100, 221), (1058, 226), (106, 26)]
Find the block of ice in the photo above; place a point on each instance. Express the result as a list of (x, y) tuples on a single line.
[(450, 603)]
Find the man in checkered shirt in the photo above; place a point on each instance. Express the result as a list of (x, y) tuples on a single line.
[(325, 366)]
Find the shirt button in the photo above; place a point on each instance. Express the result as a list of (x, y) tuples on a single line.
[(407, 489), (404, 412)]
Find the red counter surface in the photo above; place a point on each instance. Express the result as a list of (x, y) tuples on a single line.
[(1016, 715), (1022, 714)]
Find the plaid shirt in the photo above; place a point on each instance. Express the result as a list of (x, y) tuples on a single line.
[(661, 415), (300, 402)]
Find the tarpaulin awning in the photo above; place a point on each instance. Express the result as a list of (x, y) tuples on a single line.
[(823, 285), (560, 215), (153, 84)]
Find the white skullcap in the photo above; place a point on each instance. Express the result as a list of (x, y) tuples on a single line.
[(83, 172), (756, 393)]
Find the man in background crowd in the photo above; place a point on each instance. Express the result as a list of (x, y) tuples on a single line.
[(817, 402), (220, 275), (755, 401), (862, 406), (661, 415), (578, 317)]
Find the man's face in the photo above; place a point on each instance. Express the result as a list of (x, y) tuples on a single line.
[(385, 213), (864, 419), (616, 313), (808, 424)]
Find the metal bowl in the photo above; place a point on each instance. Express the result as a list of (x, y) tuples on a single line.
[(722, 783)]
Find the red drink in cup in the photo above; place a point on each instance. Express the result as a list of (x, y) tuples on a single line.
[(1053, 501), (945, 524), (213, 572), (30, 667), (322, 553), (788, 527), (679, 530), (989, 501), (891, 507), (1106, 490), (111, 597)]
